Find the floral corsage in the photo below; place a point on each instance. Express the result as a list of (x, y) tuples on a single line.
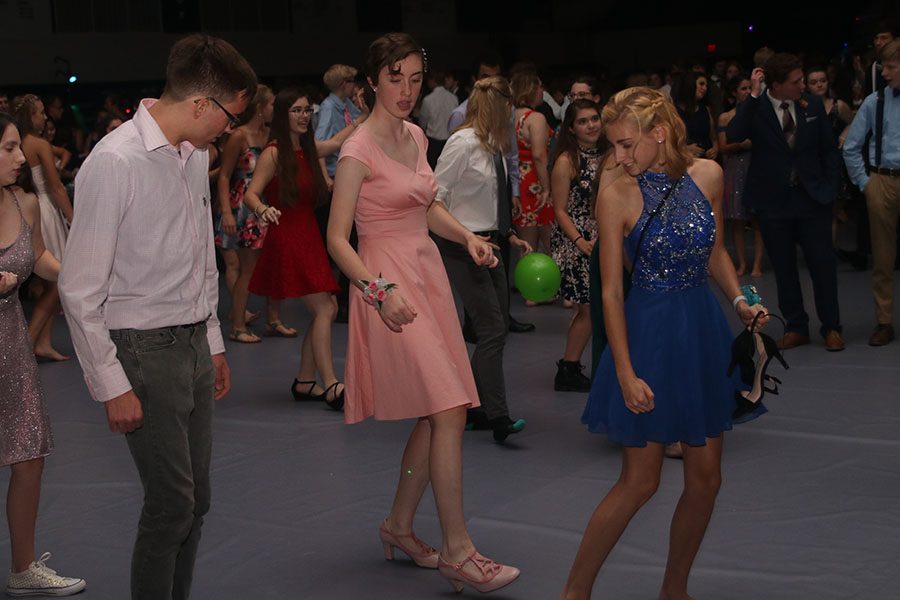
[(375, 292)]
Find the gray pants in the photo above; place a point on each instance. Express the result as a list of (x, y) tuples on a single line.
[(172, 374), (485, 296)]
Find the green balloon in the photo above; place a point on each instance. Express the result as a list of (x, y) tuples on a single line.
[(537, 277)]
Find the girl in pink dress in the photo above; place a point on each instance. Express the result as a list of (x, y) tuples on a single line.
[(406, 357)]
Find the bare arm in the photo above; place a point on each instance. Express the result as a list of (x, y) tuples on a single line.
[(721, 267), (348, 180), (230, 155), (538, 138), (560, 182), (55, 188), (46, 266), (611, 217), (333, 144), (713, 151), (61, 155), (395, 311), (262, 175)]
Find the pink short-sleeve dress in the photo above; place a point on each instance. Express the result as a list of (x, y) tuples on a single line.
[(425, 369)]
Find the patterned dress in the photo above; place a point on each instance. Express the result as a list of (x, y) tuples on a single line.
[(529, 185), (251, 232), (573, 263), (24, 424)]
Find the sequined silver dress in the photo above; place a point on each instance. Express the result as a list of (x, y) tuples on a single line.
[(24, 425)]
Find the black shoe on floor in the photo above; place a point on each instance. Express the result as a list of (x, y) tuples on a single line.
[(504, 427), (476, 420), (569, 377), (519, 327)]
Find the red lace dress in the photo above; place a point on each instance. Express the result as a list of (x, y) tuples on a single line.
[(293, 261)]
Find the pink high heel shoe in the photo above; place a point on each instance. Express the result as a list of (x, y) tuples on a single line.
[(493, 575), (421, 553)]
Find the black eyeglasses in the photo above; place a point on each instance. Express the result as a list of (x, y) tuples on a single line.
[(232, 120)]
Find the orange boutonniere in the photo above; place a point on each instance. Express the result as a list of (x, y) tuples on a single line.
[(802, 103)]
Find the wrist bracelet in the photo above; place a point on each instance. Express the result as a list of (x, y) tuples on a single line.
[(264, 208), (375, 292), (575, 241), (737, 299)]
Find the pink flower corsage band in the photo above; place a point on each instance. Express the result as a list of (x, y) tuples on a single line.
[(375, 292)]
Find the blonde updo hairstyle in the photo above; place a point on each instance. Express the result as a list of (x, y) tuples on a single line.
[(648, 108), (488, 113)]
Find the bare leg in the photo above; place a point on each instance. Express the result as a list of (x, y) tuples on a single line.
[(758, 249), (579, 333), (323, 307), (22, 500), (445, 469), (414, 478), (247, 258), (737, 234), (41, 326), (307, 370), (702, 479), (232, 267), (636, 485), (531, 235), (545, 232), (273, 315)]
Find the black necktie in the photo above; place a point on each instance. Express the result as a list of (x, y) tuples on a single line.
[(504, 210)]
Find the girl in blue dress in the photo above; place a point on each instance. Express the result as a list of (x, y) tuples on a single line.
[(662, 379)]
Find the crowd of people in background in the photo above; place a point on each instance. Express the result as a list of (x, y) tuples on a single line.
[(799, 140)]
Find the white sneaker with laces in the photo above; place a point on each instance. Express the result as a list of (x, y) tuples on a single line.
[(41, 580)]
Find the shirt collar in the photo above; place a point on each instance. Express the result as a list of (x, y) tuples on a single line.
[(777, 103), (151, 135)]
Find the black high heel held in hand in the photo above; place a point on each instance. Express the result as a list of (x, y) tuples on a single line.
[(743, 348)]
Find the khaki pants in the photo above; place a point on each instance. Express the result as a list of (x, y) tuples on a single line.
[(883, 200)]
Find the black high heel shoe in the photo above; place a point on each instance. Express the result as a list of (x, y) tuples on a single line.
[(748, 343), (307, 395), (337, 400)]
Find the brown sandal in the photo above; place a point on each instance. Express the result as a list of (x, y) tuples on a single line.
[(279, 329)]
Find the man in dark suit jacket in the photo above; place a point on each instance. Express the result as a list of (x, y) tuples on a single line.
[(791, 185)]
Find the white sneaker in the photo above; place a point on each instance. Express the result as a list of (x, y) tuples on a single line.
[(41, 580)]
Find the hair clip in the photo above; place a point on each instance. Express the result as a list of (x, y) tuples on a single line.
[(424, 60)]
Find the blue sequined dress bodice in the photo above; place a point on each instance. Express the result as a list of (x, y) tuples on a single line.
[(678, 337), (676, 247)]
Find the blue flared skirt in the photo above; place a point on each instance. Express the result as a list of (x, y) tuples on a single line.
[(680, 344)]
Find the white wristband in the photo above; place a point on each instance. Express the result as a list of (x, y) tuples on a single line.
[(737, 299)]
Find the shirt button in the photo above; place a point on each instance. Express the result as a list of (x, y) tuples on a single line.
[(204, 201)]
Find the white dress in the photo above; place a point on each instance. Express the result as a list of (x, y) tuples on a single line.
[(53, 225)]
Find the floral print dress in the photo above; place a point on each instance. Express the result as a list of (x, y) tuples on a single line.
[(251, 232), (529, 185), (574, 264)]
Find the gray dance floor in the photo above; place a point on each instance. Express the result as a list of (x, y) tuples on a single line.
[(810, 507)]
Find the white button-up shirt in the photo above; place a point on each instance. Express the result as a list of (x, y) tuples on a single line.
[(140, 252), (467, 181), (779, 112), (436, 109)]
